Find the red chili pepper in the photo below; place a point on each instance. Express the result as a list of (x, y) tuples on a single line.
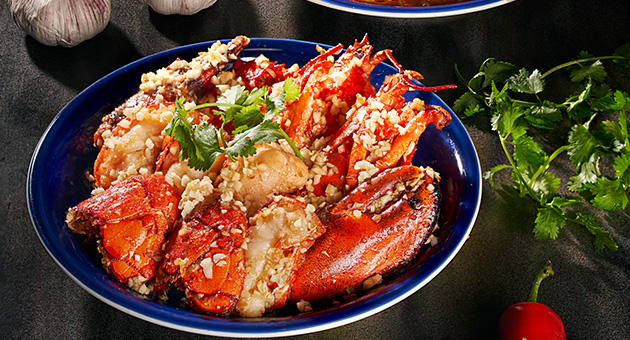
[(532, 320)]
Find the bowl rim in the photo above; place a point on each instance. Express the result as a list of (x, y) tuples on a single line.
[(302, 324), (466, 7)]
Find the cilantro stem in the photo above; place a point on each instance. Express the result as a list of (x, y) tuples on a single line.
[(470, 89), (524, 102), (201, 106), (578, 61), (542, 274), (541, 169), (530, 191), (459, 76), (577, 221), (545, 166), (293, 147)]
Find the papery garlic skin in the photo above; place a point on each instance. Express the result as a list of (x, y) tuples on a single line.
[(185, 7), (61, 22)]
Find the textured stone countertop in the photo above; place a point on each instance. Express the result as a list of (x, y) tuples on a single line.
[(495, 267)]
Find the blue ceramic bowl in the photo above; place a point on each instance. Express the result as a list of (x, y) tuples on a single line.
[(411, 12), (56, 181)]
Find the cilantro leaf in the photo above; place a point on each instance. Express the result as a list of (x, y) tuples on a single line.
[(528, 153), (513, 99), (495, 71), (582, 144), (242, 145), (601, 238), (525, 83), (587, 172), (621, 164), (544, 116), (498, 97), (548, 223), (489, 174), (609, 194), (289, 92), (600, 93), (246, 117), (249, 113), (232, 99), (594, 71), (234, 95), (256, 97), (546, 186), (476, 83), (619, 137), (207, 147), (573, 101), (624, 53), (507, 120), (468, 104), (474, 110), (620, 101)]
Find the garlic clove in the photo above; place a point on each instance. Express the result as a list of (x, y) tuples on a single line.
[(185, 7), (61, 22)]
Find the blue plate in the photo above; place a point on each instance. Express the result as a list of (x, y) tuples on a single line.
[(411, 12), (56, 181)]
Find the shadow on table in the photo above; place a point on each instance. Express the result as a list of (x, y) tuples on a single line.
[(79, 66), (220, 21)]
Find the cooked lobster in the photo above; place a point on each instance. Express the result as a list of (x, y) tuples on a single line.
[(378, 227), (244, 237), (131, 219), (204, 257)]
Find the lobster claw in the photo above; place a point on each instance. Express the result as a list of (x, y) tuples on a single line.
[(377, 228)]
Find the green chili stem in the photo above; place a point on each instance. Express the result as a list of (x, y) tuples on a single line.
[(542, 274)]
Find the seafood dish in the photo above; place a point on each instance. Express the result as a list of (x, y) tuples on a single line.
[(305, 199), (410, 3), (411, 8)]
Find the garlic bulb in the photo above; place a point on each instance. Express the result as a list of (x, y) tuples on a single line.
[(186, 7), (61, 22)]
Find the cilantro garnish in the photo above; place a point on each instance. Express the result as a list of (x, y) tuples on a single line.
[(250, 114), (513, 99)]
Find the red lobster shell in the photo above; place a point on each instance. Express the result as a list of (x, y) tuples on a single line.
[(377, 228), (131, 219)]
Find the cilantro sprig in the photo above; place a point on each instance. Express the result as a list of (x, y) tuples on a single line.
[(250, 114), (513, 99)]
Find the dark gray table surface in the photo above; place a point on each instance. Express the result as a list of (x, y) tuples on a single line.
[(493, 270)]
